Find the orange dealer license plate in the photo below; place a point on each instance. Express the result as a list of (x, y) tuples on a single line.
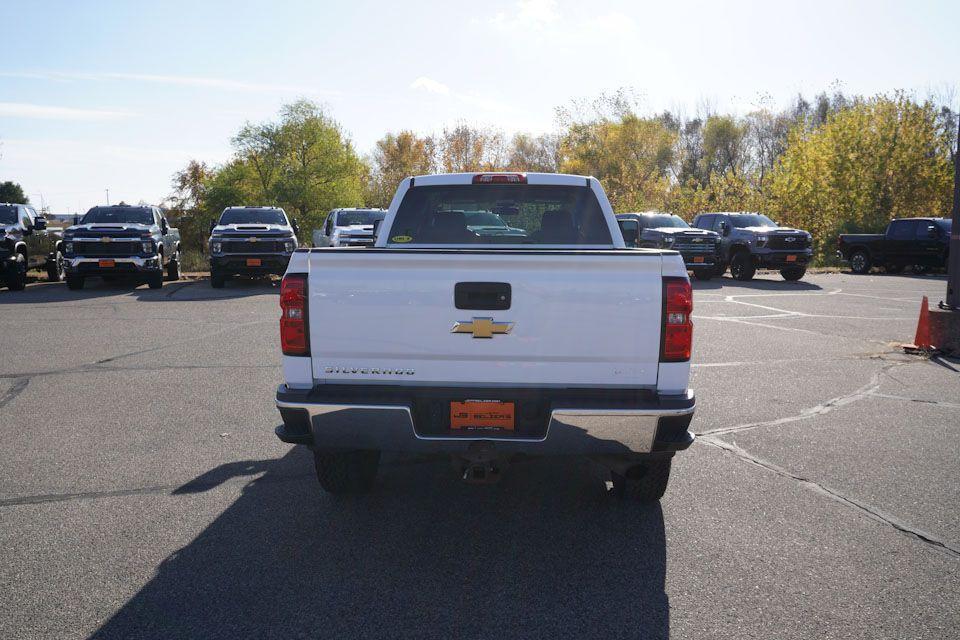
[(482, 414), (107, 263), (698, 259), (253, 262), (791, 258)]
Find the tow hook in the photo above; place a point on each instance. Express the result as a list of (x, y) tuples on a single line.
[(480, 464)]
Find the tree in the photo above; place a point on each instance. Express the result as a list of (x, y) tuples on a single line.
[(395, 157), (874, 160), (12, 193), (534, 153), (465, 148)]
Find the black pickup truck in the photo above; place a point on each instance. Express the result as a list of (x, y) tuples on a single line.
[(918, 243)]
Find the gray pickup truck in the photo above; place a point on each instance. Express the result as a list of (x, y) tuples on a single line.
[(751, 241), (25, 243), (251, 241), (121, 241)]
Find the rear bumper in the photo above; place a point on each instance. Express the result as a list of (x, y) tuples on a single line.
[(610, 423), (275, 263), (128, 264), (705, 260)]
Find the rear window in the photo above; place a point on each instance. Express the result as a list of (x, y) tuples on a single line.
[(118, 215), (363, 218), (495, 214), (253, 216)]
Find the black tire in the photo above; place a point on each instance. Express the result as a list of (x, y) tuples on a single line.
[(792, 274), (55, 272), (74, 282), (920, 269), (703, 274), (742, 267), (642, 483), (217, 279), (155, 280), (893, 268), (860, 262), (173, 267), (344, 472), (16, 279)]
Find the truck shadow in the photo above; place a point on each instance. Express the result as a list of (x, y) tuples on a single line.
[(762, 282), (545, 553), (40, 292)]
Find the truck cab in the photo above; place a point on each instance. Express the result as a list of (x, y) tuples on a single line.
[(121, 240), (26, 243), (751, 241), (251, 241), (454, 338), (700, 248), (348, 228)]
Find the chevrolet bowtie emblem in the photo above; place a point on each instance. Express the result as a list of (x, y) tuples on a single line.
[(253, 239), (482, 327), (106, 239)]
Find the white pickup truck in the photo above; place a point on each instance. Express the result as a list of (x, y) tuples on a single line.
[(443, 339)]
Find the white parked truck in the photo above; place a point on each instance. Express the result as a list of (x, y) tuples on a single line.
[(441, 338)]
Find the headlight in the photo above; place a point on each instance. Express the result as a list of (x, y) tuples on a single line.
[(667, 240), (147, 246), (761, 240), (289, 246), (68, 247), (215, 247)]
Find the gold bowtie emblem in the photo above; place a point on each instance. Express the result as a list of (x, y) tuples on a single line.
[(106, 239), (482, 327)]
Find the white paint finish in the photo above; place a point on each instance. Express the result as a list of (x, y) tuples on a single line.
[(673, 378), (579, 319), (297, 372)]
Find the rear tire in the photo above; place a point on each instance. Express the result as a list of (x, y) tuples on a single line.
[(155, 280), (217, 279), (644, 483), (742, 267), (860, 262), (792, 274), (346, 472), (55, 271), (74, 282), (173, 267), (703, 274)]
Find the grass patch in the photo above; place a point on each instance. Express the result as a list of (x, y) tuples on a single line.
[(193, 260)]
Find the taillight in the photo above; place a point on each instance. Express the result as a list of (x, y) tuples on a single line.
[(677, 325), (500, 178), (294, 324)]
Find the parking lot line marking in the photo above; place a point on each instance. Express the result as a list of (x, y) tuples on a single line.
[(870, 511)]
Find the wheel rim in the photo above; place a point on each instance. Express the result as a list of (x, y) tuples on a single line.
[(858, 262), (60, 266)]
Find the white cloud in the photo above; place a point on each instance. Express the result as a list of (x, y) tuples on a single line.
[(225, 84), (47, 112), (430, 86), (530, 14)]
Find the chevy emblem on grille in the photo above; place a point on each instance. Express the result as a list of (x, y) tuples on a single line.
[(790, 239), (106, 239), (253, 240)]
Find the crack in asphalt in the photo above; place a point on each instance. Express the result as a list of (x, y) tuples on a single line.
[(868, 510), (19, 384)]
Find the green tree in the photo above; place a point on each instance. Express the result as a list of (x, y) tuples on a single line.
[(395, 157), (534, 153), (12, 193), (870, 161)]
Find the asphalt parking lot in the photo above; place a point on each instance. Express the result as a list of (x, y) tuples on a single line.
[(144, 495)]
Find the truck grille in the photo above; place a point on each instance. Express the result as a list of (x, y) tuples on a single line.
[(787, 242), (97, 249), (687, 244), (356, 242), (245, 246)]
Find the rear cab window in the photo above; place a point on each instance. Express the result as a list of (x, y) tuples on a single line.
[(516, 216)]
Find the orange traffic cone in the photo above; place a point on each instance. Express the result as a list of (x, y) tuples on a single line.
[(922, 339)]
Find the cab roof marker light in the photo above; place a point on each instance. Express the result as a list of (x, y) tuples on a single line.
[(500, 178)]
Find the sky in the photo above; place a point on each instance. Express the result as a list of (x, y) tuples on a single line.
[(120, 95)]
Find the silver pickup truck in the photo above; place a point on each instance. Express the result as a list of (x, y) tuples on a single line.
[(445, 338)]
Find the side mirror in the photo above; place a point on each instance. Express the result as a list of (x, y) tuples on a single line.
[(376, 229), (630, 229), (213, 223), (724, 229), (164, 227), (76, 220), (295, 226), (40, 224)]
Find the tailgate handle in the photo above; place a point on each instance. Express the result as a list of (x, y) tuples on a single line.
[(482, 296)]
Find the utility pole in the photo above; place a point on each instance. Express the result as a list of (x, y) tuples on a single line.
[(953, 265), (108, 196)]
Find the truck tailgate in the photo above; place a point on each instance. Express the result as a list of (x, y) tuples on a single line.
[(576, 319)]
